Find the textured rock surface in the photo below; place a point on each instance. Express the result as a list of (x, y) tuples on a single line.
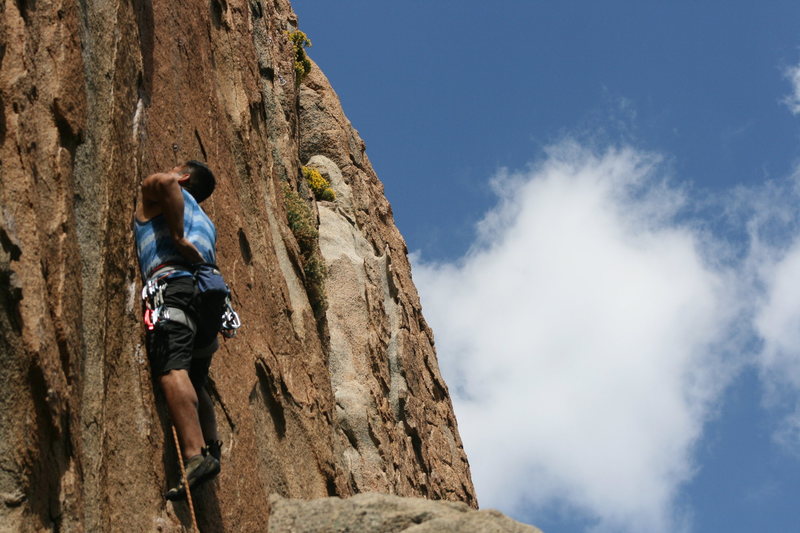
[(94, 96), (381, 513), (391, 401)]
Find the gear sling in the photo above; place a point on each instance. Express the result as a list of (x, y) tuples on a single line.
[(212, 298)]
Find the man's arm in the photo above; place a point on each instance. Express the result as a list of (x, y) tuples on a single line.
[(163, 189)]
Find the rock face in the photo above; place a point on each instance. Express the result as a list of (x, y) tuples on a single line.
[(381, 513), (311, 401)]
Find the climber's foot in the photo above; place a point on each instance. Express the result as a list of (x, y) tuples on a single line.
[(199, 469)]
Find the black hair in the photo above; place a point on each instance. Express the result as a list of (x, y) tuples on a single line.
[(201, 180)]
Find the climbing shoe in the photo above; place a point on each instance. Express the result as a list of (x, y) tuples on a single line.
[(199, 469), (215, 449)]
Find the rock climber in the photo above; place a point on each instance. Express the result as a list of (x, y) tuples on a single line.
[(173, 236)]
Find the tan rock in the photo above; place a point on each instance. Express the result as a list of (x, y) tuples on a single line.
[(93, 97), (382, 513)]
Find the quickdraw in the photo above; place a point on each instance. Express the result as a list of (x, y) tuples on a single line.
[(153, 296), (230, 320)]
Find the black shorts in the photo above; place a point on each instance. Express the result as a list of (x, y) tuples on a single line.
[(173, 345)]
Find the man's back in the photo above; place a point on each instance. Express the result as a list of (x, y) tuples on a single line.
[(156, 247)]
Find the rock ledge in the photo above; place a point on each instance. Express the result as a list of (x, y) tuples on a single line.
[(384, 513)]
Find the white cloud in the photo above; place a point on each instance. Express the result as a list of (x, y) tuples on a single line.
[(581, 340), (778, 320), (793, 100), (770, 271), (775, 262)]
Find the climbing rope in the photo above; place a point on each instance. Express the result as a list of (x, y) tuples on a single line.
[(185, 481)]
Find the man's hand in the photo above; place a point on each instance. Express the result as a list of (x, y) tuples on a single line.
[(188, 251)]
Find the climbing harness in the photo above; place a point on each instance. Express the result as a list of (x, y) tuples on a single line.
[(156, 310)]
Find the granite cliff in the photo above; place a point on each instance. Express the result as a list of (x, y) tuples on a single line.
[(328, 390)]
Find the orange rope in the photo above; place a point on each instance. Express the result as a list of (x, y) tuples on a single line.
[(185, 481)]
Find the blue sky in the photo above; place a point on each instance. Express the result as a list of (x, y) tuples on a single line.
[(617, 181)]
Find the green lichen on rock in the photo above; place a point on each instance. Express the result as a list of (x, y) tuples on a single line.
[(319, 186), (302, 65), (302, 223)]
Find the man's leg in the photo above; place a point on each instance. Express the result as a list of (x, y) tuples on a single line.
[(208, 419), (182, 403), (201, 362), (183, 410)]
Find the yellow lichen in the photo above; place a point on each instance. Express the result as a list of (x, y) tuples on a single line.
[(319, 186), (302, 65)]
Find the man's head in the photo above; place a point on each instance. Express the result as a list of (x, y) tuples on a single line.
[(196, 178)]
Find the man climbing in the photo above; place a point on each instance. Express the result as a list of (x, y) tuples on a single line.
[(175, 241)]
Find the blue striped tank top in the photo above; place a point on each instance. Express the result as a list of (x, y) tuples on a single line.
[(154, 244)]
